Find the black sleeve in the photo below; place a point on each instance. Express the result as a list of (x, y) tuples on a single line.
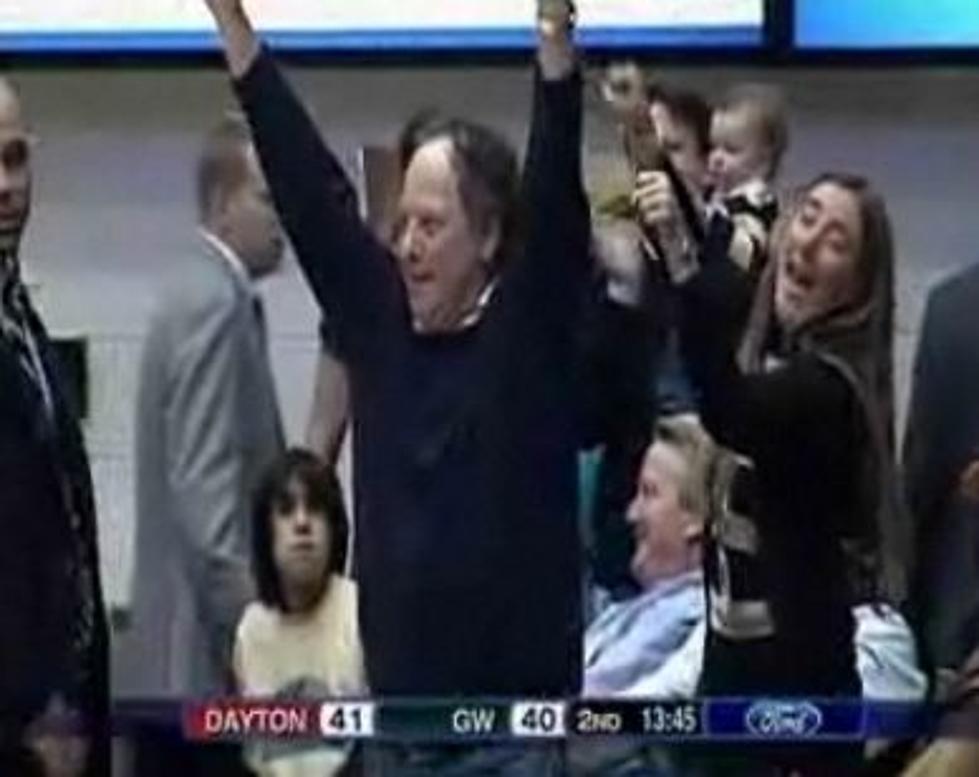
[(620, 346), (351, 275), (756, 414), (54, 638), (553, 271)]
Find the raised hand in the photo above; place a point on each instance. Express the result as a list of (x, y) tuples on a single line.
[(240, 42), (659, 215), (221, 9), (655, 201), (555, 38)]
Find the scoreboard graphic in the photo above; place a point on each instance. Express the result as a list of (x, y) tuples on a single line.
[(432, 720)]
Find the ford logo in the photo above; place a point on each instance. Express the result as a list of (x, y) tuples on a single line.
[(788, 719)]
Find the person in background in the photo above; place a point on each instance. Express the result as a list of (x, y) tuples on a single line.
[(207, 426), (682, 118), (300, 640), (632, 638), (54, 637), (649, 378), (620, 339), (749, 137), (941, 471), (651, 646)]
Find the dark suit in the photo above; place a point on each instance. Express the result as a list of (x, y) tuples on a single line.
[(942, 441), (53, 630)]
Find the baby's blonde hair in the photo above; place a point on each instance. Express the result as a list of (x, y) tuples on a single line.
[(767, 105)]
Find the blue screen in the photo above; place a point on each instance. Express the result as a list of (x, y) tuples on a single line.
[(886, 24), (109, 26)]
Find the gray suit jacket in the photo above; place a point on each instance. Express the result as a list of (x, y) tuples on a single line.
[(207, 426)]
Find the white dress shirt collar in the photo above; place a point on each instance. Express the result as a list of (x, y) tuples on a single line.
[(223, 250)]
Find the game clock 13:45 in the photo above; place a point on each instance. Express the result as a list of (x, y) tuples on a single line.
[(680, 719)]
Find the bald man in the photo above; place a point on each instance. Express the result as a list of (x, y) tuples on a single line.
[(53, 633)]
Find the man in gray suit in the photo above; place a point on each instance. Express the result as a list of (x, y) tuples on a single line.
[(207, 426)]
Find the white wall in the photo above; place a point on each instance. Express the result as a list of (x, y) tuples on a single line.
[(113, 199)]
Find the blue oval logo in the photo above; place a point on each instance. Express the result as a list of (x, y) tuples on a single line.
[(783, 719)]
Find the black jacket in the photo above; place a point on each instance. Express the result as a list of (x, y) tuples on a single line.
[(49, 573), (780, 517)]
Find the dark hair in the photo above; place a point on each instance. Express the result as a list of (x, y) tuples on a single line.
[(686, 107), (877, 245), (321, 492), (862, 340), (485, 165), (413, 134), (222, 166), (856, 340)]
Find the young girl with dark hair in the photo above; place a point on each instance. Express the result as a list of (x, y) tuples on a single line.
[(301, 639)]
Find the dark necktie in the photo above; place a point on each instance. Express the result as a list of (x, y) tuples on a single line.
[(258, 307), (15, 316)]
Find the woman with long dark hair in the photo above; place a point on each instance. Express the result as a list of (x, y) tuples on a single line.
[(795, 380)]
